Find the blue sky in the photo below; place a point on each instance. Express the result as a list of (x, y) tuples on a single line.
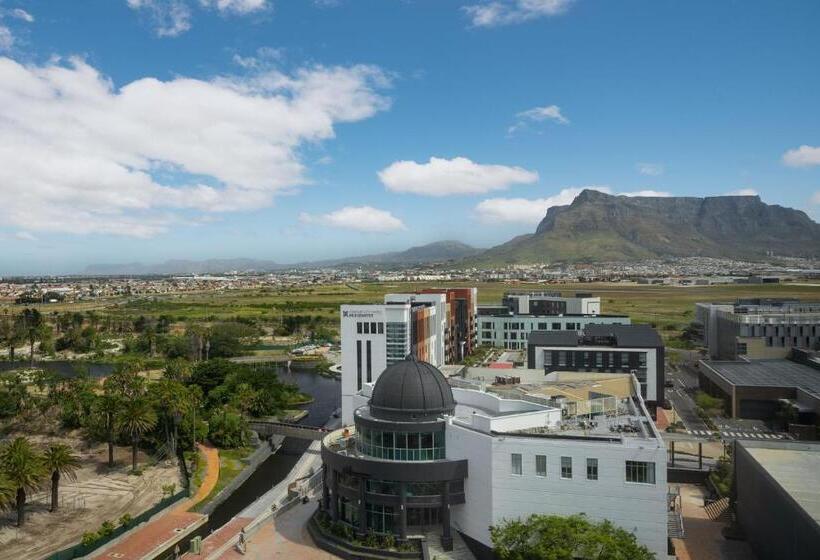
[(143, 130)]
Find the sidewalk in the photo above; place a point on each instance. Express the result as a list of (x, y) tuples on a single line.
[(168, 526)]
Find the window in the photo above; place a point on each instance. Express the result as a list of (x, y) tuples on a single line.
[(540, 465), (542, 326), (566, 467), (367, 328), (556, 326), (358, 365), (359, 327), (516, 463), (640, 471), (369, 363), (592, 469), (381, 328), (373, 328)]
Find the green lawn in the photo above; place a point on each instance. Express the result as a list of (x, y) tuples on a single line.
[(230, 465)]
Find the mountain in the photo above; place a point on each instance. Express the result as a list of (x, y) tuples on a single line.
[(602, 227), (180, 266), (439, 251)]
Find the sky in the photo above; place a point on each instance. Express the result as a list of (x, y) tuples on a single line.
[(294, 130)]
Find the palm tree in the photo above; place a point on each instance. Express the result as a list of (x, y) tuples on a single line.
[(137, 417), (31, 321), (105, 410), (60, 461), (24, 468)]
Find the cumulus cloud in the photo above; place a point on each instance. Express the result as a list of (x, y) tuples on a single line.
[(530, 211), (240, 7), (357, 218), (169, 18), (443, 177), (742, 192), (804, 156), (506, 12), (538, 114), (651, 169), (21, 14), (79, 155)]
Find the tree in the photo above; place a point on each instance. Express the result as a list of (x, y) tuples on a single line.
[(24, 468), (60, 461), (30, 321), (105, 409), (7, 493), (552, 537), (11, 335), (136, 418)]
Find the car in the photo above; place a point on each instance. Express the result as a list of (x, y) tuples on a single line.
[(669, 383)]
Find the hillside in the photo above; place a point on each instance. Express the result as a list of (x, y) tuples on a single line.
[(603, 227), (439, 251)]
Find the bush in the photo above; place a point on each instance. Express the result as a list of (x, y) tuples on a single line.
[(106, 529), (89, 539), (126, 520)]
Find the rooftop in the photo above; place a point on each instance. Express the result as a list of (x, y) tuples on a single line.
[(619, 336), (767, 373), (795, 467)]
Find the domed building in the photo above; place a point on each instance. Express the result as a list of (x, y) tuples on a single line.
[(428, 455), (391, 474)]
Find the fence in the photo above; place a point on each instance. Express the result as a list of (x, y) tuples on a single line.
[(80, 550)]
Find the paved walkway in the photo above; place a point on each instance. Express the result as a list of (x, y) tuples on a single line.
[(169, 525), (703, 539)]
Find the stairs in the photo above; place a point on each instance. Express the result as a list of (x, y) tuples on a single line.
[(719, 510)]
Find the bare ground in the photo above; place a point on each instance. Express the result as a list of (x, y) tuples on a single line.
[(98, 494)]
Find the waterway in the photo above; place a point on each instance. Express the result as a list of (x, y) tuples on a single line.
[(63, 368), (327, 397)]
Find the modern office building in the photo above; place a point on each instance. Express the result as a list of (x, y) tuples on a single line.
[(376, 336), (551, 303), (636, 349), (424, 453), (508, 331), (438, 346), (760, 389), (758, 328), (776, 497), (462, 308)]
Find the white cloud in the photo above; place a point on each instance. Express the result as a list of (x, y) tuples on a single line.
[(265, 57), (21, 14), (443, 177), (170, 18), (524, 210), (357, 218), (531, 211), (24, 236), (742, 192), (538, 114), (804, 156), (649, 193), (240, 7), (506, 12), (79, 155), (6, 38), (651, 169)]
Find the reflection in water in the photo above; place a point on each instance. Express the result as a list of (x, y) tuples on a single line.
[(327, 398), (63, 368)]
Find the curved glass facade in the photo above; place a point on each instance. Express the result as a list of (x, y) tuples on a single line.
[(401, 446)]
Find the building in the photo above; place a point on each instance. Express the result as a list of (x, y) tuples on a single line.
[(776, 497), (636, 349), (425, 452), (511, 332), (758, 328), (462, 331), (376, 336), (761, 388), (551, 303), (438, 346)]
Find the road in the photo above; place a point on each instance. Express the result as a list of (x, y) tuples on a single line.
[(685, 385)]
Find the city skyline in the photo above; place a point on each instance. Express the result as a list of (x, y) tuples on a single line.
[(146, 130)]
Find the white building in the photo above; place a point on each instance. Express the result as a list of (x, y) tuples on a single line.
[(439, 301), (510, 331), (498, 458), (376, 336)]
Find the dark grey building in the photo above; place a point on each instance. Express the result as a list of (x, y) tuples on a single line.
[(776, 498), (634, 349)]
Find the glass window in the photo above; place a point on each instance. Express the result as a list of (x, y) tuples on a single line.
[(381, 328), (373, 328), (359, 327), (379, 518), (516, 463), (366, 328), (540, 465), (640, 471), (592, 469), (566, 467)]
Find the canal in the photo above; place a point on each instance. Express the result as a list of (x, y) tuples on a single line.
[(327, 398)]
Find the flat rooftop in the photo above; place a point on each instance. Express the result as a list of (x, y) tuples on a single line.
[(795, 467), (616, 336), (767, 373)]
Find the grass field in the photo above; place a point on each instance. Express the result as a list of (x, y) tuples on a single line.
[(669, 308)]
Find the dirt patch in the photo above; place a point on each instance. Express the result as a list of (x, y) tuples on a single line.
[(99, 494)]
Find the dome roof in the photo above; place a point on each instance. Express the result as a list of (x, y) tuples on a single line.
[(411, 390)]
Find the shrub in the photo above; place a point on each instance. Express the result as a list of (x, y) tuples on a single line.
[(89, 539), (125, 520), (105, 529)]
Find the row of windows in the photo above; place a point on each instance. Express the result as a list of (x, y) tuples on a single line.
[(401, 446), (635, 471), (369, 327)]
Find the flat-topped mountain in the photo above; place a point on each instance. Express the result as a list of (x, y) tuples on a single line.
[(602, 227)]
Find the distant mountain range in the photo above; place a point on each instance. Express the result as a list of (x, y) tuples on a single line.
[(440, 251), (595, 227), (601, 227)]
